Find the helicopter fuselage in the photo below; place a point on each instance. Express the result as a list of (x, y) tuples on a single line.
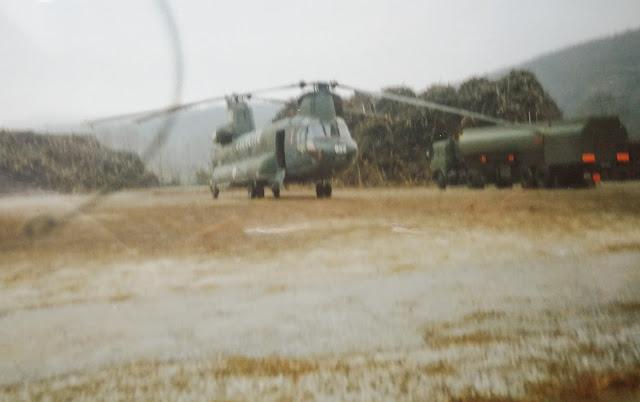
[(296, 150)]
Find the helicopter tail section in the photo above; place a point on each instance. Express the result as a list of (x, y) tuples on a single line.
[(239, 121)]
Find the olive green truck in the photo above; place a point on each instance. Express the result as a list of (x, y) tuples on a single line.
[(557, 154)]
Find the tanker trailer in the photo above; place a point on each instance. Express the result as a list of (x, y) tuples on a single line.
[(576, 152), (493, 154), (564, 153), (484, 155), (611, 147)]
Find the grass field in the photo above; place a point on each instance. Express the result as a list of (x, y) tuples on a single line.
[(376, 294)]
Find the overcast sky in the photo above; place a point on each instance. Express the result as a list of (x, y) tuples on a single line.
[(65, 60)]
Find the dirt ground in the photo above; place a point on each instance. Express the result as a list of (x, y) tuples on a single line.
[(375, 294)]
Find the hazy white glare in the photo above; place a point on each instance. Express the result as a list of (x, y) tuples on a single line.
[(74, 59)]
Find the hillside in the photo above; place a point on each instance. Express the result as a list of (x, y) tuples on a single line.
[(595, 78), (66, 163)]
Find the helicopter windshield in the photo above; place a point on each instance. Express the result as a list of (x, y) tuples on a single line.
[(344, 130), (323, 130)]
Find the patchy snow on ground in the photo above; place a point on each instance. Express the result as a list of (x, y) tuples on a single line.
[(376, 294)]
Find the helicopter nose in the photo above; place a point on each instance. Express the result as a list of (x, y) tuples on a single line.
[(352, 151), (349, 152), (337, 153)]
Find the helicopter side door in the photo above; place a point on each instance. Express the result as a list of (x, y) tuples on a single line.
[(280, 153)]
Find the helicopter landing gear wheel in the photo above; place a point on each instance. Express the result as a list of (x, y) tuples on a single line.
[(323, 190), (441, 180), (215, 192), (253, 191), (327, 190), (259, 191), (276, 192)]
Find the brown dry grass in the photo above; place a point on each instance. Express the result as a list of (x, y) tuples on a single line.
[(120, 298), (627, 306), (197, 225), (618, 247), (150, 378), (481, 316), (439, 368), (403, 268), (161, 223), (588, 386), (438, 340), (265, 367), (480, 398), (158, 379)]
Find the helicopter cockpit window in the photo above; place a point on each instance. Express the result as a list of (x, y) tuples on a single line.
[(315, 130), (344, 130), (331, 130)]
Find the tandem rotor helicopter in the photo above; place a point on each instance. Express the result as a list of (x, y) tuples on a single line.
[(313, 146)]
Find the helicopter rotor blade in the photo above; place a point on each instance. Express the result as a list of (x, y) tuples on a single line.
[(177, 108), (144, 116), (123, 116), (358, 112), (431, 105), (300, 84), (248, 95), (270, 100)]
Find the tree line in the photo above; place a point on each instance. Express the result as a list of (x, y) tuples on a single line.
[(67, 163), (393, 137)]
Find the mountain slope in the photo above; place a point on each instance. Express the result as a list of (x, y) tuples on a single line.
[(595, 78)]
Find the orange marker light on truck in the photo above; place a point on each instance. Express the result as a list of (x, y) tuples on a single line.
[(588, 158), (596, 177), (623, 157), (483, 159), (511, 158)]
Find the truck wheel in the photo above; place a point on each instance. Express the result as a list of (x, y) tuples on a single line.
[(504, 183), (526, 178), (542, 178), (474, 181), (441, 181)]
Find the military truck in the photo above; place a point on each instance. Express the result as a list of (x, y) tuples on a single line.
[(566, 153)]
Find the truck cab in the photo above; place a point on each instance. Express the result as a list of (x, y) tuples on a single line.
[(447, 164)]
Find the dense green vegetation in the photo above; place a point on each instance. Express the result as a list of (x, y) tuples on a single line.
[(67, 163), (393, 145)]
